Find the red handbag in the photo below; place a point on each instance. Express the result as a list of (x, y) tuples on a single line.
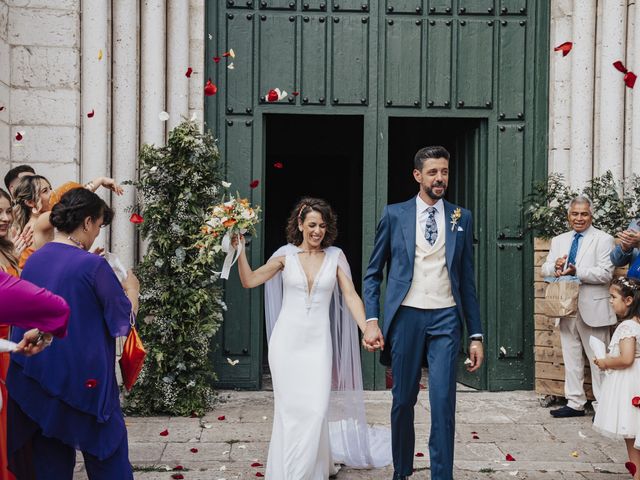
[(133, 355)]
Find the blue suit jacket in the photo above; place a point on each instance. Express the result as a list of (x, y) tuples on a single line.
[(395, 246)]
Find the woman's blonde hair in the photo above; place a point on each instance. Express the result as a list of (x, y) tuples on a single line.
[(7, 249), (28, 190)]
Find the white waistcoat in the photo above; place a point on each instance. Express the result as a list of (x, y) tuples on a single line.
[(430, 286)]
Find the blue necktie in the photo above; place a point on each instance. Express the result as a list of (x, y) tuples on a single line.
[(431, 227), (573, 251)]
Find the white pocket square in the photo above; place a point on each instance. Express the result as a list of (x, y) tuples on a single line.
[(460, 229)]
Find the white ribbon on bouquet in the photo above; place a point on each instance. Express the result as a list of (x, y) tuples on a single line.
[(232, 253)]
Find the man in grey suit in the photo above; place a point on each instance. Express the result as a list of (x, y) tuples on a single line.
[(582, 252)]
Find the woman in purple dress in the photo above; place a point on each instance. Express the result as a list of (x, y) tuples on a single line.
[(67, 398)]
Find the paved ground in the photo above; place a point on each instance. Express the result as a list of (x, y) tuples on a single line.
[(506, 423)]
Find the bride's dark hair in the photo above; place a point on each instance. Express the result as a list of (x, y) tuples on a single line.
[(300, 212)]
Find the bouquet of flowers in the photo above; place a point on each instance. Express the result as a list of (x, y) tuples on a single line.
[(230, 218)]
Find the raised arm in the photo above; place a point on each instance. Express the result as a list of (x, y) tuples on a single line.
[(253, 278)]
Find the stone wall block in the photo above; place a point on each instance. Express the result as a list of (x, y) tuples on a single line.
[(5, 147), (43, 67), (58, 173), (55, 28), (45, 144), (5, 62), (5, 101), (51, 4), (44, 107), (4, 20)]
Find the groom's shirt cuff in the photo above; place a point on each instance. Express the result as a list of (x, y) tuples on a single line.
[(372, 319), (476, 336)]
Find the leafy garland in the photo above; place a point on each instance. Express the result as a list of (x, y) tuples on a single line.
[(547, 208), (181, 300)]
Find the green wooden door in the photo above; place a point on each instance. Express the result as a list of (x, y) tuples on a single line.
[(480, 65)]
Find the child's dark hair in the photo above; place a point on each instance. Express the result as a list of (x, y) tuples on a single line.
[(629, 287)]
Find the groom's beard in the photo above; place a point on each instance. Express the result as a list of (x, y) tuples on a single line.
[(432, 194)]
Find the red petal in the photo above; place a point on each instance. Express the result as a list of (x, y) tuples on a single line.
[(278, 165), (210, 89), (619, 66), (222, 417), (178, 467), (272, 96), (474, 433), (91, 113), (135, 218), (565, 48), (216, 59), (189, 72), (631, 467), (164, 433), (258, 474), (1, 108), (226, 54), (419, 454), (509, 458), (91, 383), (476, 437), (254, 184), (18, 136), (295, 94), (635, 401), (194, 450), (256, 464), (177, 476), (630, 79)]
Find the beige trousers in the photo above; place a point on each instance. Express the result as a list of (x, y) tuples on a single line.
[(574, 336)]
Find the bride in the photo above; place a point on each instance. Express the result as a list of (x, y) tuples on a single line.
[(310, 307)]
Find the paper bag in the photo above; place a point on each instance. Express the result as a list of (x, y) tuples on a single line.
[(561, 298)]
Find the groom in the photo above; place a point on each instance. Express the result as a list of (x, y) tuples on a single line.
[(426, 243)]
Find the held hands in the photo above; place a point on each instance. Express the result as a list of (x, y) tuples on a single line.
[(22, 241), (629, 239), (372, 338), (476, 356), (601, 363), (560, 271), (34, 341)]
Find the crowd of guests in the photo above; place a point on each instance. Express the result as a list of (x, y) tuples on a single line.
[(589, 256), (63, 306)]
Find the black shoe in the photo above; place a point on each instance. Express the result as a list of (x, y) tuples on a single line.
[(399, 477), (566, 412)]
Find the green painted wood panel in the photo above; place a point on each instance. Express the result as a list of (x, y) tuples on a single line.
[(277, 54), (314, 5), (512, 51), (513, 7), (243, 4), (350, 55), (403, 61), (440, 6), (313, 75), (404, 6), (350, 5), (239, 334), (474, 76), (511, 193), (476, 7), (439, 43), (239, 81), (277, 4)]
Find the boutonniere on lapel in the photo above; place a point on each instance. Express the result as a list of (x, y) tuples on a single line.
[(455, 216)]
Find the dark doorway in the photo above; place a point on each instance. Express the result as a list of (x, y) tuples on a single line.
[(457, 135), (318, 156), (465, 139)]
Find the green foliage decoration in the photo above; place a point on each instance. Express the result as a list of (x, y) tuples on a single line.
[(546, 209), (181, 303)]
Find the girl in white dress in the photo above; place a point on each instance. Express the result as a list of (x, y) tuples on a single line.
[(312, 309), (617, 416)]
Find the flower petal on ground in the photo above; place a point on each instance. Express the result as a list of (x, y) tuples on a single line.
[(565, 48), (254, 183), (216, 59), (164, 433), (257, 464), (188, 72), (630, 79), (509, 458), (222, 417), (91, 113), (19, 136), (419, 454), (194, 450)]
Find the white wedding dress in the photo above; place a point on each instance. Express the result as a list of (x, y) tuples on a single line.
[(318, 406)]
